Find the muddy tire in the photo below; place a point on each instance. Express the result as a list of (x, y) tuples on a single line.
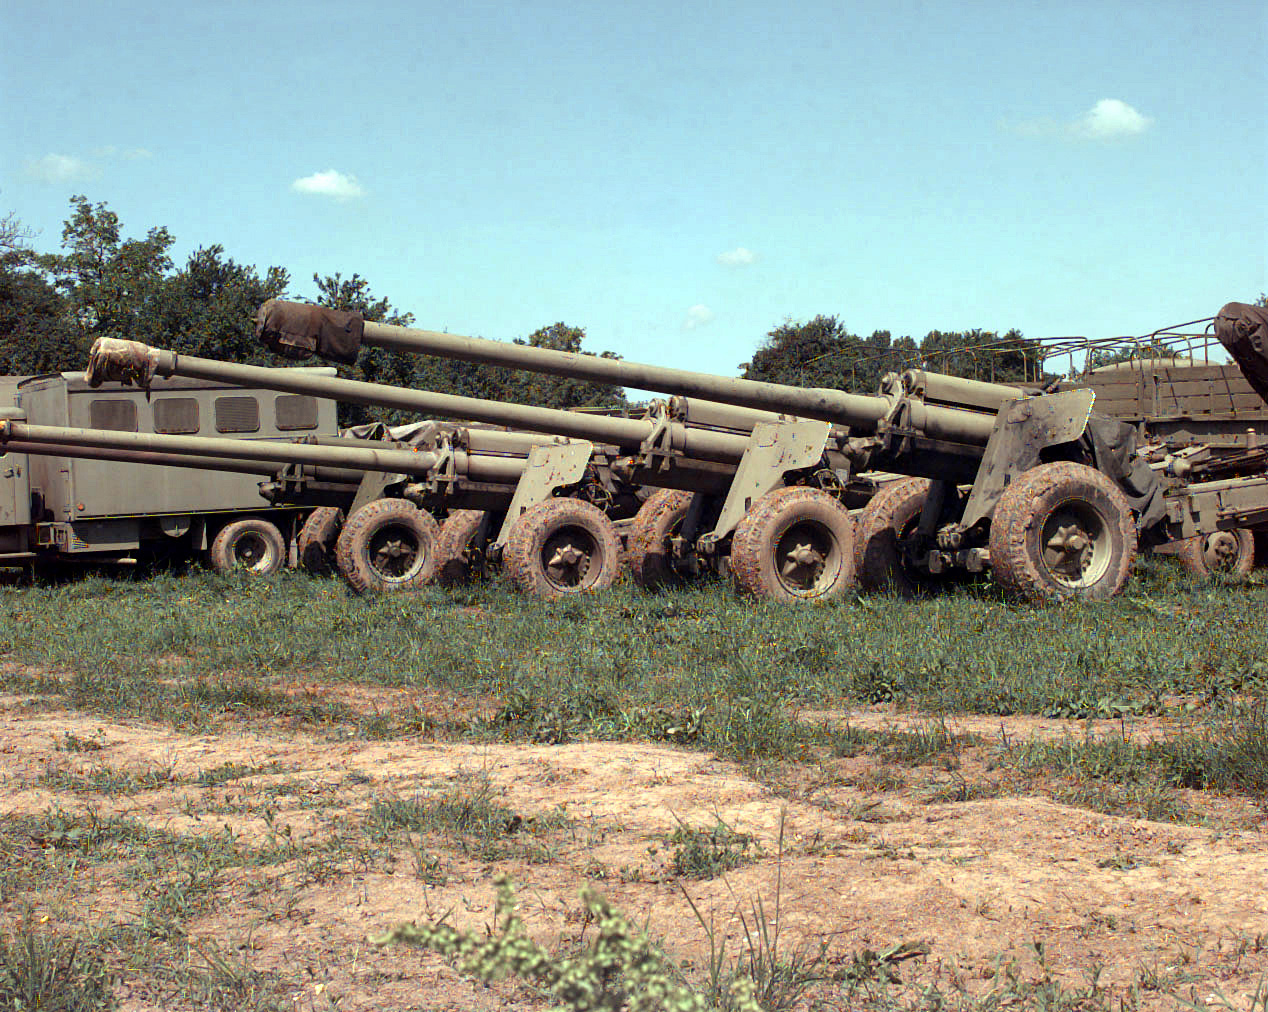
[(881, 527), (649, 556), (458, 559), (1230, 552), (562, 547), (317, 539), (388, 545), (1062, 530), (795, 544), (253, 544)]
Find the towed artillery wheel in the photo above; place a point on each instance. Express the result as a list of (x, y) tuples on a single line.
[(884, 525), (1062, 530), (796, 543), (650, 557), (253, 544), (317, 540), (1231, 552), (459, 559), (387, 545), (561, 547)]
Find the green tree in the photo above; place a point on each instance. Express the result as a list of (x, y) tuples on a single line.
[(36, 332), (557, 391), (823, 353), (113, 286), (984, 355), (373, 365), (208, 307)]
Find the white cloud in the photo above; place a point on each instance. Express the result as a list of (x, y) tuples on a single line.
[(698, 316), (738, 257), (1108, 119), (59, 169), (329, 184)]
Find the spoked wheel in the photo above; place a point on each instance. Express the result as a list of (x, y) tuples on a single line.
[(317, 540), (388, 545), (650, 555), (1231, 552), (253, 544), (882, 538), (459, 558), (562, 547), (1062, 530), (794, 544)]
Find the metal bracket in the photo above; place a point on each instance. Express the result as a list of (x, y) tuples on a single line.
[(372, 485), (1024, 427), (774, 449), (658, 450), (549, 467)]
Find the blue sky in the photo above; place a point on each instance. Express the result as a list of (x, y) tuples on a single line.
[(677, 179)]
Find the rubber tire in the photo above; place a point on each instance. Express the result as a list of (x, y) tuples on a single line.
[(523, 558), (317, 539), (755, 543), (456, 563), (880, 527), (352, 550), (650, 562), (1192, 554), (223, 554), (1016, 526)]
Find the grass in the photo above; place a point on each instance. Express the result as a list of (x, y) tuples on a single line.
[(702, 853), (704, 670), (469, 816), (39, 970)]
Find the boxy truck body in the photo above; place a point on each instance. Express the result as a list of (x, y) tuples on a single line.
[(78, 508)]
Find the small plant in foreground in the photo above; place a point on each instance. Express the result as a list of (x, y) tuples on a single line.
[(619, 970), (50, 974), (707, 853)]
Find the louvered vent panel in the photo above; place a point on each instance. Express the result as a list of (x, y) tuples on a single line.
[(295, 411), (237, 414), (176, 415), (119, 416)]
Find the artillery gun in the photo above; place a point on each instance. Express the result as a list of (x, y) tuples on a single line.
[(1033, 486), (551, 540), (1056, 494), (393, 545)]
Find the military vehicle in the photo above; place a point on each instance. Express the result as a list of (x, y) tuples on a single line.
[(70, 508), (1205, 413), (1035, 488)]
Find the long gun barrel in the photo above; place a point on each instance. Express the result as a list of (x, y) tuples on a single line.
[(135, 361), (299, 330), (230, 451)]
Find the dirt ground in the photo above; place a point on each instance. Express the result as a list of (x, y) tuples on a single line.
[(865, 863)]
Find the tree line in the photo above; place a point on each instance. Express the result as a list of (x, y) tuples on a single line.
[(103, 284)]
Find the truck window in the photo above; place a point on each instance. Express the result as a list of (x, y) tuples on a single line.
[(237, 414), (295, 411), (176, 415), (119, 415)]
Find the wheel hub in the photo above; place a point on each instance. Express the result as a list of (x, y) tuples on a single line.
[(249, 551), (802, 564), (1076, 545), (393, 555), (806, 554), (1222, 550), (568, 560)]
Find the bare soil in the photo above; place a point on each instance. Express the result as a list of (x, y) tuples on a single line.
[(862, 860)]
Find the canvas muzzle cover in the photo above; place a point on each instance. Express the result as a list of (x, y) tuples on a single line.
[(297, 330), (129, 362), (1243, 330)]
